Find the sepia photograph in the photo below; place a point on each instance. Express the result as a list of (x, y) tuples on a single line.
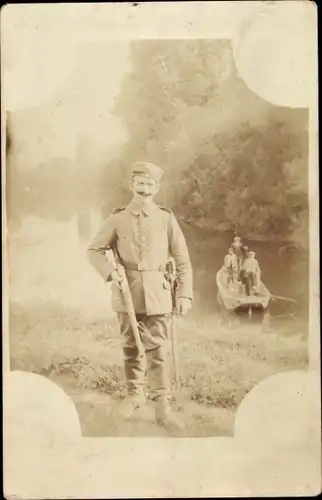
[(157, 237), (216, 279)]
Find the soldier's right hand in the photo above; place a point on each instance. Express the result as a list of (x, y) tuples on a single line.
[(115, 276)]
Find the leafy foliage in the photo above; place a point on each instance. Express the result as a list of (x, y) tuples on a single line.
[(244, 183), (231, 159)]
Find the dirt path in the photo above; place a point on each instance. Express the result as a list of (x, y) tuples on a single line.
[(100, 415)]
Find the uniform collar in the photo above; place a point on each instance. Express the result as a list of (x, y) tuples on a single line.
[(147, 210)]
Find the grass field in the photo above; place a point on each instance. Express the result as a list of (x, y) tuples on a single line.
[(218, 365), (62, 327)]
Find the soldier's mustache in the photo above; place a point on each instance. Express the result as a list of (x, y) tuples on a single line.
[(143, 194)]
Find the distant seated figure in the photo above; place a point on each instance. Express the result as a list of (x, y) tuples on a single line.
[(237, 247), (231, 266), (250, 273)]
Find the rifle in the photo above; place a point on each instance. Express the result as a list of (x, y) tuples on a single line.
[(126, 292), (171, 278)]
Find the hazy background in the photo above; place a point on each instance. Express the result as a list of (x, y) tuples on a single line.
[(232, 162), (57, 152)]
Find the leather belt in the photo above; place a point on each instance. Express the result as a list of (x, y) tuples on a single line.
[(143, 267)]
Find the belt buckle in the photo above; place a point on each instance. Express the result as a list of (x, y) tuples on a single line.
[(141, 266)]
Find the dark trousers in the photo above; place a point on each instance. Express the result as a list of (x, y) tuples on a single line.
[(155, 362), (248, 279), (232, 274)]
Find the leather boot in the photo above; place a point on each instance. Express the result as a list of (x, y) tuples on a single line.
[(165, 417), (130, 406)]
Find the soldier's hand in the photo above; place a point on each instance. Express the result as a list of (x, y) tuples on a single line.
[(183, 304), (116, 277)]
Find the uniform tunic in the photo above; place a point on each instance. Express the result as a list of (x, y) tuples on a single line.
[(251, 265), (250, 274), (145, 239), (238, 248), (231, 261)]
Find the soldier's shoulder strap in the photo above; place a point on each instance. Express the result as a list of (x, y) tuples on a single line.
[(165, 209), (117, 210)]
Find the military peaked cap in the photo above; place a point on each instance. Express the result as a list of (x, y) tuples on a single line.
[(146, 169)]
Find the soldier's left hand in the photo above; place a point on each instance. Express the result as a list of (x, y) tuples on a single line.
[(183, 305)]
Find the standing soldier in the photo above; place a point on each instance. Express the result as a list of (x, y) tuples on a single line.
[(231, 267), (237, 247), (145, 236), (251, 273)]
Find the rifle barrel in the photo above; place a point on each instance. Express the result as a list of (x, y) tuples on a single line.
[(126, 292)]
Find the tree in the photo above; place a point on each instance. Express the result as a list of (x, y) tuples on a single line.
[(226, 150)]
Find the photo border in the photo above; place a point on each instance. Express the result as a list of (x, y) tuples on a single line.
[(97, 467)]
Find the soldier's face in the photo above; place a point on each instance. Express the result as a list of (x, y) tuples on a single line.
[(143, 187)]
